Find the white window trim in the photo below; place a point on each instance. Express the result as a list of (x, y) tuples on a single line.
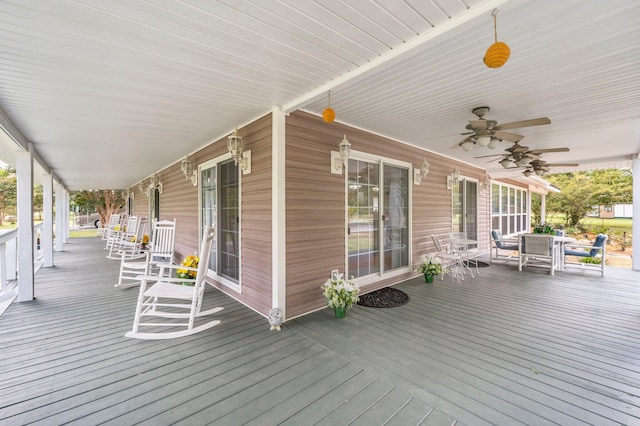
[(237, 287), (365, 156)]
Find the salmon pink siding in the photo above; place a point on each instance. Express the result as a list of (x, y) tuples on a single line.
[(315, 207), (315, 204), (179, 200)]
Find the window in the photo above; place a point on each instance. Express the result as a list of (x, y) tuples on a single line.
[(508, 209), (220, 208)]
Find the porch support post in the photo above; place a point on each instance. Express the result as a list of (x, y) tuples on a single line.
[(65, 215), (46, 236), (635, 222), (278, 212), (543, 208), (24, 178), (59, 221)]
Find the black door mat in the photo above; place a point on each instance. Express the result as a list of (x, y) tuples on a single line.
[(387, 297)]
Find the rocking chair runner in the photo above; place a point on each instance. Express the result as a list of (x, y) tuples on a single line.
[(169, 298), (160, 250)]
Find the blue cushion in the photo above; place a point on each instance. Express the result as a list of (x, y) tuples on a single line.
[(497, 237), (599, 242)]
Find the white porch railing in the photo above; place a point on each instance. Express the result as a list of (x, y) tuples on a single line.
[(9, 256)]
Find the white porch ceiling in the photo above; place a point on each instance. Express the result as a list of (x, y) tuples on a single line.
[(110, 91)]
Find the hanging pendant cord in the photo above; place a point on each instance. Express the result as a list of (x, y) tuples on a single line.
[(495, 24)]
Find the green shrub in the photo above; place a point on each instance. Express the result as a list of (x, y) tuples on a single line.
[(592, 260)]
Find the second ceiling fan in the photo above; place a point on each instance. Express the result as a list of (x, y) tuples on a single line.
[(488, 133)]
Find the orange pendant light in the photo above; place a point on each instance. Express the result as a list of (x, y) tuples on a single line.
[(329, 115), (498, 53)]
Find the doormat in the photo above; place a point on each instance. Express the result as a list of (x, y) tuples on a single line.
[(387, 297), (472, 264)]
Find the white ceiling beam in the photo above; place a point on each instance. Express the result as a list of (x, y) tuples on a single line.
[(419, 40)]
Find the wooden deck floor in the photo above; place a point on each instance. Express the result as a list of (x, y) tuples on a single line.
[(504, 348)]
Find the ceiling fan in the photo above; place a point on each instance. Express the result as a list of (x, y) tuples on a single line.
[(520, 155), (488, 133), (541, 168)]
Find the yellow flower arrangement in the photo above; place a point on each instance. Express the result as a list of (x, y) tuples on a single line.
[(190, 261), (145, 241)]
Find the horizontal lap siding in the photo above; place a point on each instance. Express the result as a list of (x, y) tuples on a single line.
[(315, 203), (180, 200)]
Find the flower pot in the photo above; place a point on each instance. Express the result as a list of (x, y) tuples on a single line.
[(340, 312), (428, 278)]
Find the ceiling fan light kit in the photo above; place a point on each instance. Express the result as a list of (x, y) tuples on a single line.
[(498, 53), (484, 140), (467, 145)]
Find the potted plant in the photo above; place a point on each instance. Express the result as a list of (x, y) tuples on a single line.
[(190, 271), (543, 228), (431, 266), (341, 294)]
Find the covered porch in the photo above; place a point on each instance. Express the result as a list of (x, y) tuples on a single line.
[(507, 347)]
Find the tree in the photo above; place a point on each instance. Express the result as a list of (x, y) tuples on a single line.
[(105, 202), (37, 199), (581, 191), (8, 192)]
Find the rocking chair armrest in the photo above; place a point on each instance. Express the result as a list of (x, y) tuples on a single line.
[(173, 280)]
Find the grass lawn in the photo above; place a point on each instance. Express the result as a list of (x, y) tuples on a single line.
[(82, 233)]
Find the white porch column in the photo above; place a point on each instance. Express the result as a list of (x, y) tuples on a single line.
[(278, 210), (46, 236), (59, 220), (65, 216), (543, 207), (635, 223), (24, 178)]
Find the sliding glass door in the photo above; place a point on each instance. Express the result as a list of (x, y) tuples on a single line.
[(378, 218)]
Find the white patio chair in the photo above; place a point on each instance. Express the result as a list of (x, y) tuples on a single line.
[(595, 250), (129, 244), (169, 298), (160, 250), (450, 260), (500, 244), (538, 248)]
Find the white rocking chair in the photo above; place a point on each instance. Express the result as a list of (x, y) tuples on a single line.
[(160, 250), (169, 298), (103, 231), (129, 242)]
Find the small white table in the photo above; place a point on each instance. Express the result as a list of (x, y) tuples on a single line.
[(560, 242), (462, 245)]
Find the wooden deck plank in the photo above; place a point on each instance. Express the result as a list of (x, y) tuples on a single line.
[(503, 348)]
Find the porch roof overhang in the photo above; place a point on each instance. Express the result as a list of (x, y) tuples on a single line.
[(92, 85)]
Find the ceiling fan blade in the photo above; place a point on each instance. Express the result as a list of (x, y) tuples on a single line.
[(543, 150), (524, 123), (493, 155), (561, 165), (511, 137), (478, 124)]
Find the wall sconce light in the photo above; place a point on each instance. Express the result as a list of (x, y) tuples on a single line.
[(339, 158), (421, 174), (128, 194), (141, 186), (453, 178), (485, 184), (155, 183), (187, 170), (242, 158)]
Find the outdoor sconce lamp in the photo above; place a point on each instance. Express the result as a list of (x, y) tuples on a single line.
[(485, 185), (242, 158), (155, 183), (141, 186), (339, 158), (453, 178), (187, 170), (421, 174)]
